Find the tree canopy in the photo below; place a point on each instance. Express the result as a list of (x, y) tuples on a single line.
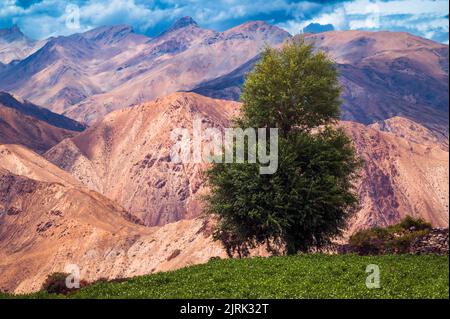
[(308, 200)]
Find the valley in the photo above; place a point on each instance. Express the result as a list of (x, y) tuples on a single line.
[(86, 176)]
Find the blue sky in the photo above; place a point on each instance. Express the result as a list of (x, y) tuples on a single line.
[(43, 18)]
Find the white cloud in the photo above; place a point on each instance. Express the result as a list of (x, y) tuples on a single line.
[(422, 17)]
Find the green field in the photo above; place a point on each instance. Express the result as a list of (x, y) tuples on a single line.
[(304, 276)]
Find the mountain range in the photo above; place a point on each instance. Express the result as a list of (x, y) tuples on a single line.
[(85, 123), (15, 46), (85, 76), (48, 220), (383, 74), (22, 122)]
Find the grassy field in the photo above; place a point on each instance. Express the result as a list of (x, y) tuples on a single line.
[(306, 276)]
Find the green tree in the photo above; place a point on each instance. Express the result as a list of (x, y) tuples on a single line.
[(291, 88), (309, 199)]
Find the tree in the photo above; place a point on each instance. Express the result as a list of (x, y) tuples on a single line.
[(309, 199), (291, 88)]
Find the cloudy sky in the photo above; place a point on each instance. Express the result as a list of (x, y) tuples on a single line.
[(43, 18)]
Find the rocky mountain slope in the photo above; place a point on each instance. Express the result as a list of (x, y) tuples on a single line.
[(27, 108), (40, 205), (26, 124), (125, 157), (62, 72), (15, 46), (17, 128), (384, 74), (401, 176), (91, 74)]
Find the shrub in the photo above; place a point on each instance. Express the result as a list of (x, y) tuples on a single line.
[(56, 284), (369, 242), (417, 224), (395, 239)]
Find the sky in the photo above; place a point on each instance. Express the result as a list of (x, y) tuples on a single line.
[(40, 19)]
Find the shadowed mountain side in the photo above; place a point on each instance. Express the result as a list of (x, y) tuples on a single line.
[(17, 128), (15, 46), (39, 113), (227, 87)]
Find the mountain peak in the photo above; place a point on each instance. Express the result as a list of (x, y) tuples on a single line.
[(109, 34), (182, 23), (258, 26), (11, 34)]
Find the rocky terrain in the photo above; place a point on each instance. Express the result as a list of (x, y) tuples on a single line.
[(435, 242), (126, 158), (15, 46), (109, 199), (400, 176), (40, 205), (91, 74), (25, 124)]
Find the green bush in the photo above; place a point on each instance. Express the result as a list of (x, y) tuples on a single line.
[(409, 223), (368, 242), (395, 239)]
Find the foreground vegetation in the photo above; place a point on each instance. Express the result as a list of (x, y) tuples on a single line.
[(303, 276)]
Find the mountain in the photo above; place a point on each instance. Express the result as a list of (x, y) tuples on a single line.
[(126, 157), (181, 24), (406, 172), (27, 108), (177, 60), (17, 128), (384, 74), (14, 45), (88, 75), (229, 86), (85, 76), (62, 72), (48, 222), (391, 74), (26, 124)]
